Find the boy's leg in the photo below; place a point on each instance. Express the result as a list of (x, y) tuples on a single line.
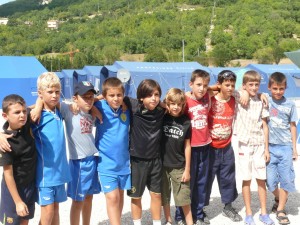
[(166, 193), (262, 193), (188, 214), (136, 208), (87, 210), (47, 214), (247, 196), (113, 206), (24, 222), (155, 206), (167, 213), (213, 169), (75, 212)]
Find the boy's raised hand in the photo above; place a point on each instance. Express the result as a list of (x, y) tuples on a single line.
[(4, 145), (97, 114), (264, 99), (74, 108), (244, 98)]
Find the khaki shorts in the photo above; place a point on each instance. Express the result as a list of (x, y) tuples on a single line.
[(252, 162), (181, 191)]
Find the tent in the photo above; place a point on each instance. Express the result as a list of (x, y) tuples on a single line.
[(19, 75), (93, 75), (168, 75), (294, 56), (67, 88)]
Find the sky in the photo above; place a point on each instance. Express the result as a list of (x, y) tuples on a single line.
[(5, 1)]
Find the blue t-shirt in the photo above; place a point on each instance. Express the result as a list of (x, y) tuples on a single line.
[(112, 140), (52, 164), (282, 113)]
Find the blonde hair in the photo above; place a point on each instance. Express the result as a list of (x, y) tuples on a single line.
[(251, 76), (48, 80), (177, 96)]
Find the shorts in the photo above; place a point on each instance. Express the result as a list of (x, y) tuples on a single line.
[(252, 161), (7, 205), (84, 178), (111, 182), (145, 173), (49, 195), (280, 169), (181, 190)]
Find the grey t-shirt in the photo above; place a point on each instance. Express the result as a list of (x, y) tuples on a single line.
[(79, 130)]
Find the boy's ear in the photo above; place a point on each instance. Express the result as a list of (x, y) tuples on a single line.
[(190, 84), (4, 115), (74, 98)]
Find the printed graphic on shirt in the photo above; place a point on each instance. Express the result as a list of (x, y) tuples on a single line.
[(199, 112), (86, 125), (173, 132)]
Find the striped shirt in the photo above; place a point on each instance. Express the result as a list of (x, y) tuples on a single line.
[(248, 122)]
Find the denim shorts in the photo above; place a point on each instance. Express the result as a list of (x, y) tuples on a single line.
[(280, 169)]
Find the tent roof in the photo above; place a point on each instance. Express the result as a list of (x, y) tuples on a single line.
[(68, 72), (294, 56), (93, 70), (20, 66), (173, 67)]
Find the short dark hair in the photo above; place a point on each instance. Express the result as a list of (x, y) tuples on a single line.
[(112, 82), (225, 75), (12, 100), (199, 73), (146, 88), (278, 78)]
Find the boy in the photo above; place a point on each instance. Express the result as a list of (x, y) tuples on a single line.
[(197, 107), (83, 163), (112, 141), (282, 145), (251, 130), (221, 155), (145, 137), (52, 166), (18, 192), (176, 156)]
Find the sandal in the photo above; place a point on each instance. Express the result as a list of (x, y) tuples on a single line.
[(249, 220), (275, 205), (282, 219), (266, 219)]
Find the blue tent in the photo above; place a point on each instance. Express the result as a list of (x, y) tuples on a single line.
[(291, 71), (18, 75), (166, 74), (67, 88), (93, 75)]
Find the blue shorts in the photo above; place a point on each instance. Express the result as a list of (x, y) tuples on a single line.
[(8, 206), (280, 169), (84, 178), (49, 195), (111, 182)]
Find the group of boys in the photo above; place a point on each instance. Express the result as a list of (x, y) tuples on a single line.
[(213, 119)]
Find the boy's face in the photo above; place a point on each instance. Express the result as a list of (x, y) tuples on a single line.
[(277, 90), (226, 88), (150, 102), (50, 96), (199, 87), (251, 87), (85, 102), (174, 108), (114, 97), (16, 116)]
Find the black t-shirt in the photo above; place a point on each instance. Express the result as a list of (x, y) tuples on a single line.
[(23, 154), (175, 131), (145, 129)]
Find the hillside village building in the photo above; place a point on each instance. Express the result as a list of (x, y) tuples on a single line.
[(3, 21), (53, 24)]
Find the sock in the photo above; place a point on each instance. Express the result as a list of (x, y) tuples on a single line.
[(137, 222), (156, 222)]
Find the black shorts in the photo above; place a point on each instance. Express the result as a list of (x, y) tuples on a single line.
[(145, 173), (27, 193)]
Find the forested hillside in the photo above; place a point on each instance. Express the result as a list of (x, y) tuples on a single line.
[(101, 31)]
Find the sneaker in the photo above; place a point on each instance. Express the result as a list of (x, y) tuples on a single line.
[(199, 222), (181, 222), (168, 223), (230, 212), (205, 218), (266, 219), (249, 220)]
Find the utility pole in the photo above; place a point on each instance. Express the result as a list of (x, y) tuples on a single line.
[(182, 50)]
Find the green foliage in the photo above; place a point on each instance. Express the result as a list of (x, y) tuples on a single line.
[(103, 30)]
